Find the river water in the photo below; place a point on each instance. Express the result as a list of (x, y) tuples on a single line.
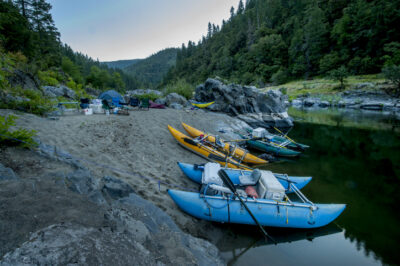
[(354, 159)]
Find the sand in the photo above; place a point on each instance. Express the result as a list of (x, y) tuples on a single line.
[(138, 145)]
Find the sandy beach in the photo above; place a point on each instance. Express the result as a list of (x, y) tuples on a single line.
[(139, 149)]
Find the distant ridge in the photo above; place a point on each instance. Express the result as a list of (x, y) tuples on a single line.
[(121, 64), (151, 70)]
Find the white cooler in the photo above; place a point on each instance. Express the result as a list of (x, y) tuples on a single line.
[(269, 187), (97, 108)]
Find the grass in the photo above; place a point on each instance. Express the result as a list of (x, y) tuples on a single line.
[(318, 85)]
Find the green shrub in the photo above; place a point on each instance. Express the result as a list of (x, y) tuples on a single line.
[(17, 137), (151, 96), (392, 73), (37, 104), (340, 75), (48, 78), (280, 77), (181, 87)]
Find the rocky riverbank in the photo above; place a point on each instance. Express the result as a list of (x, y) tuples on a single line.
[(371, 99)]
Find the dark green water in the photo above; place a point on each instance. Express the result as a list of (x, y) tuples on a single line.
[(352, 165)]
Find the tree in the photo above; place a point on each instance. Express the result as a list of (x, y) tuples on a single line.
[(232, 11), (209, 30), (340, 75), (392, 73), (315, 39), (15, 34), (240, 9)]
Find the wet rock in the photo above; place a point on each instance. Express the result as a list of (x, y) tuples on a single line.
[(7, 173), (324, 104), (297, 103), (309, 102)]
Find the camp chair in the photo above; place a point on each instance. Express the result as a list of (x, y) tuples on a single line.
[(106, 105), (134, 102), (84, 103), (145, 103)]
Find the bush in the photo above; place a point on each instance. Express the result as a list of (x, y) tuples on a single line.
[(280, 77), (392, 73), (150, 96), (37, 104), (182, 88), (340, 75), (48, 78), (18, 137)]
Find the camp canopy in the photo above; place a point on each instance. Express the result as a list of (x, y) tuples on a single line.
[(109, 95)]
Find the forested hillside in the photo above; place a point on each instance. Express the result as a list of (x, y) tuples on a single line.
[(30, 42), (151, 70), (121, 64), (277, 40)]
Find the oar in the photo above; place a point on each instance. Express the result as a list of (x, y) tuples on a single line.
[(228, 182), (294, 142), (213, 156), (239, 140)]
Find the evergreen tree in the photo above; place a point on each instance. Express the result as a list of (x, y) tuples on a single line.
[(240, 7)]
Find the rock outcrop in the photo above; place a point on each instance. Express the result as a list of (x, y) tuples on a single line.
[(52, 92), (62, 214), (24, 80), (256, 108)]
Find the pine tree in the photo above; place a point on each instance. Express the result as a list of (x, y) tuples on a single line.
[(240, 7)]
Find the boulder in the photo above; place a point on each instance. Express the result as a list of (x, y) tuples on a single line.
[(175, 98), (309, 102), (61, 90), (297, 103), (176, 106), (160, 101), (244, 101), (324, 104)]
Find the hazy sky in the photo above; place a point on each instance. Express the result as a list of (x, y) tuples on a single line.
[(128, 29)]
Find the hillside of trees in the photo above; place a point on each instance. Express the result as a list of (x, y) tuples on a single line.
[(121, 64), (273, 41), (30, 40), (151, 70)]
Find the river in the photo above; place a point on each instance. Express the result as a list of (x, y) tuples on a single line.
[(354, 159)]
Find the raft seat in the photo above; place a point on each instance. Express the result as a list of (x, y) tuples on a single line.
[(250, 180)]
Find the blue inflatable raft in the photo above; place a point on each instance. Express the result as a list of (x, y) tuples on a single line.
[(272, 208)]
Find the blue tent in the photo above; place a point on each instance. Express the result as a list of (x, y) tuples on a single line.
[(110, 95)]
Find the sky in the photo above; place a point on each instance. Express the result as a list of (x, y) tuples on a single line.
[(111, 30)]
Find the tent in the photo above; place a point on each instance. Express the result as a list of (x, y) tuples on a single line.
[(109, 95)]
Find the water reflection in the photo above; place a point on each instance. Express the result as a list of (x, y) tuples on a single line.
[(356, 166)]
